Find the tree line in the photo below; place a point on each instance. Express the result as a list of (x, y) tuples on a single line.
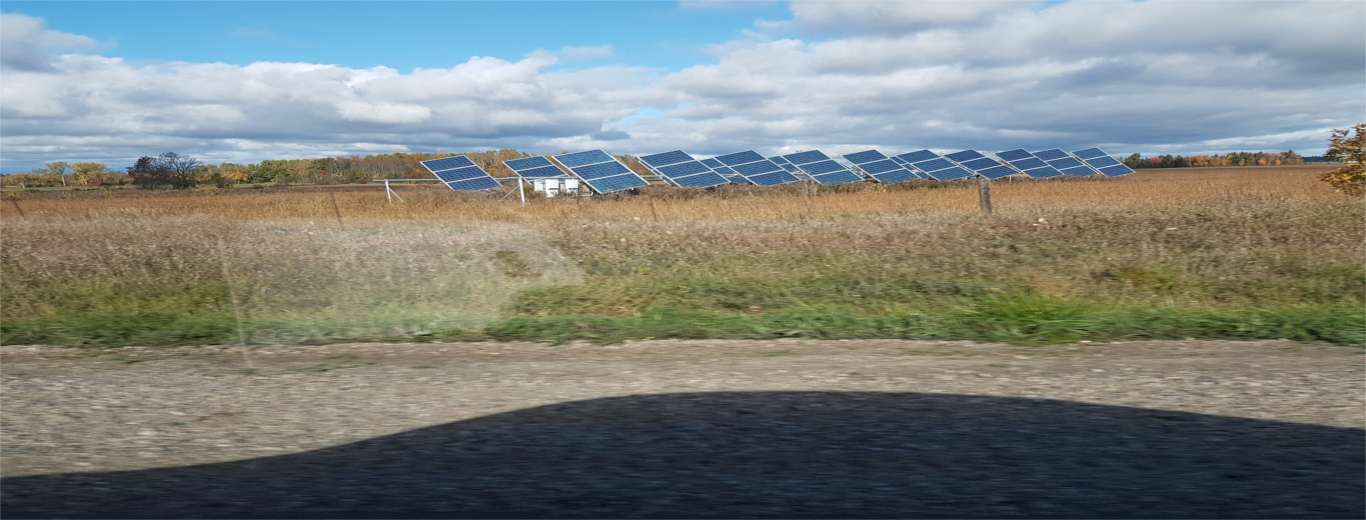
[(1137, 161)]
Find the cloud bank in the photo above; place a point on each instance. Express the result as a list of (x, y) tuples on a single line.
[(1151, 77)]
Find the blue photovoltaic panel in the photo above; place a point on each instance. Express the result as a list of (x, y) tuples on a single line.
[(965, 155), (534, 168), (915, 157), (1012, 155), (1064, 163), (737, 158), (1089, 153), (666, 158), (934, 166), (757, 169), (1098, 159), (460, 173), (880, 167), (979, 164), (779, 159), (712, 163), (899, 160), (482, 183), (728, 173), (616, 183), (867, 156), (791, 168), (683, 169), (679, 168), (1051, 154), (576, 159), (821, 168), (601, 171), (801, 158), (447, 163), (1024, 161), (527, 163)]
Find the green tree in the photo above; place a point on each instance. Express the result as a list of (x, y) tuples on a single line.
[(87, 173), (1349, 179), (57, 169)]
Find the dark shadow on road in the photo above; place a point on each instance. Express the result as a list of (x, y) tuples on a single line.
[(765, 454)]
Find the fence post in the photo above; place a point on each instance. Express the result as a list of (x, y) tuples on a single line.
[(984, 192)]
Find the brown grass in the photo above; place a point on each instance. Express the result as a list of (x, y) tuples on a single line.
[(1145, 189)]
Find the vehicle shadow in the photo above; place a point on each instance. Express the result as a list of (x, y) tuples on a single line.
[(764, 454)]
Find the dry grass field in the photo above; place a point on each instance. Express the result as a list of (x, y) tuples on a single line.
[(1265, 252), (1145, 189)]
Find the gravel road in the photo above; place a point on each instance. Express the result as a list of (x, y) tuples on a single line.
[(675, 428)]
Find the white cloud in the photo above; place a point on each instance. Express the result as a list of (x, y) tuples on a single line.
[(26, 43), (1146, 76)]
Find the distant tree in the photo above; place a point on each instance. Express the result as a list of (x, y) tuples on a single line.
[(1350, 179), (87, 173), (57, 169), (168, 170), (1292, 158)]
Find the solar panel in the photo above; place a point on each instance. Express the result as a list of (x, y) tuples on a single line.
[(601, 171), (1026, 162), (534, 168), (1066, 164), (726, 172), (880, 167), (1102, 161), (756, 168), (679, 168), (980, 164), (821, 168), (787, 165), (461, 174), (934, 166)]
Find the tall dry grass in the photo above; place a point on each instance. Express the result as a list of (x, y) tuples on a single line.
[(1145, 189)]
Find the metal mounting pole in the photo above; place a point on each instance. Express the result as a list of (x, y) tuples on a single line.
[(521, 189), (984, 193)]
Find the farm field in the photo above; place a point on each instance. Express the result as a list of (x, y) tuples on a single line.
[(1265, 252)]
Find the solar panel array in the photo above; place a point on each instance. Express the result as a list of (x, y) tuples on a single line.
[(679, 168), (822, 168), (1102, 161), (461, 174), (937, 167), (600, 171), (604, 173), (1064, 163), (1026, 162), (880, 167), (756, 168), (534, 168)]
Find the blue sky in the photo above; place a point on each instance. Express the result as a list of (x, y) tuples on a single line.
[(401, 35), (248, 81)]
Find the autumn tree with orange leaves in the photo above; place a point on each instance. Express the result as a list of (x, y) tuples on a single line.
[(1350, 179)]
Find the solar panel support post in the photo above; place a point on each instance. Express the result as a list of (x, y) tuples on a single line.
[(390, 193), (521, 190), (984, 192)]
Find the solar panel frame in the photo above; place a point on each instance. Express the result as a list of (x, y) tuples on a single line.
[(757, 169), (460, 173), (603, 176), (1102, 162), (1065, 163), (821, 168)]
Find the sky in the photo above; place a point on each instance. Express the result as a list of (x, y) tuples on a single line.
[(249, 81)]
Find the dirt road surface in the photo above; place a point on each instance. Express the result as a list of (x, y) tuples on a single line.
[(778, 429)]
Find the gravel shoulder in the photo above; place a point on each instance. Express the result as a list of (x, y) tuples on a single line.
[(735, 428)]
